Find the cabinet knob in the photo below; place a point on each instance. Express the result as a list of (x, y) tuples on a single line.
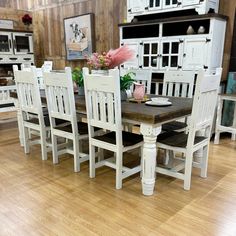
[(205, 67), (179, 3), (140, 67), (146, 8), (13, 58), (179, 67), (1, 58), (184, 55), (208, 40), (129, 10)]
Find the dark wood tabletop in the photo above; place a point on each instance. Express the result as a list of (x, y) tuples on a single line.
[(139, 112)]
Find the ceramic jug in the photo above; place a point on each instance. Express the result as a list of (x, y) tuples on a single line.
[(139, 91)]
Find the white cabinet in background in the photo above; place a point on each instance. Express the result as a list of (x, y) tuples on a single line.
[(138, 8), (16, 47), (165, 43)]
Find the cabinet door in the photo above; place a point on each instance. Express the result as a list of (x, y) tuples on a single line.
[(23, 43), (170, 4), (154, 5), (195, 53), (136, 6), (5, 43), (134, 63), (150, 54), (171, 53), (190, 2)]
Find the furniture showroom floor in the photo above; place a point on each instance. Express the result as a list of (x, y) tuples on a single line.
[(39, 198)]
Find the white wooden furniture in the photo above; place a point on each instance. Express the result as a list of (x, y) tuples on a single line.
[(30, 104), (61, 106), (16, 47), (178, 84), (164, 43), (5, 100), (139, 8), (142, 76), (103, 107), (219, 127), (204, 104)]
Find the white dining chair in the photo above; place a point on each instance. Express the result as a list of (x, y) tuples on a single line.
[(204, 103), (31, 111), (178, 84), (142, 76), (103, 106), (61, 105)]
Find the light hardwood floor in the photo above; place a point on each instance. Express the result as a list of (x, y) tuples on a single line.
[(39, 198)]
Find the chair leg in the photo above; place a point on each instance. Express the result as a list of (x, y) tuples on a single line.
[(204, 163), (188, 170), (91, 161), (43, 145), (76, 156), (119, 163), (54, 149), (26, 139), (100, 154), (142, 163)]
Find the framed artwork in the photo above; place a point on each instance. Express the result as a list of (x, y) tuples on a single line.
[(79, 36)]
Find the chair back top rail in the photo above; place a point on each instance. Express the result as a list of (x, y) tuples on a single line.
[(60, 95), (28, 90), (103, 102), (204, 102), (178, 83)]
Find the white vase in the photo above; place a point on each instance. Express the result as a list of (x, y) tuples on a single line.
[(190, 30), (201, 30)]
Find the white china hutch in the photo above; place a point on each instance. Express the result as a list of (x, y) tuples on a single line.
[(15, 48), (145, 7)]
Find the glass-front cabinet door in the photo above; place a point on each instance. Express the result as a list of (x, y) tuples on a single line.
[(171, 53), (150, 54), (170, 3), (154, 4), (5, 43), (23, 43)]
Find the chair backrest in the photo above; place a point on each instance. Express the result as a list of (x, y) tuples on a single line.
[(178, 83), (103, 104), (28, 91), (204, 102), (60, 96), (142, 76)]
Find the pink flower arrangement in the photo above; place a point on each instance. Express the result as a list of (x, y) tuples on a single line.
[(111, 59), (27, 19)]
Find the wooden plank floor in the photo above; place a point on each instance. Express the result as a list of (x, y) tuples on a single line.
[(39, 198)]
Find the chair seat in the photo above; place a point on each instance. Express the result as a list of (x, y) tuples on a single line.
[(82, 128), (177, 139), (129, 139), (46, 121), (174, 125)]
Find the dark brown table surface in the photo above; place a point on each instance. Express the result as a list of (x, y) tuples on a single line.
[(139, 112)]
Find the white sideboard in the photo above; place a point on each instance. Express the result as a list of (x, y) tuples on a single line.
[(137, 8), (170, 44)]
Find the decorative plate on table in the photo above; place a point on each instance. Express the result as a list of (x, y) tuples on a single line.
[(158, 104), (138, 101)]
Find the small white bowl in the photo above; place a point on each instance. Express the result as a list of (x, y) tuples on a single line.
[(160, 99)]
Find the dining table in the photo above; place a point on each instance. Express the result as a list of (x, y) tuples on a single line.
[(150, 119)]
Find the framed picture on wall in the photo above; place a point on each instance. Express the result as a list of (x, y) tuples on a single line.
[(79, 36)]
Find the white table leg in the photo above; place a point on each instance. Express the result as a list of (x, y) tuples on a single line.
[(19, 121), (218, 120), (149, 133)]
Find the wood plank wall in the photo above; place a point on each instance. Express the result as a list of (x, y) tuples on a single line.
[(49, 33), (49, 29), (15, 15)]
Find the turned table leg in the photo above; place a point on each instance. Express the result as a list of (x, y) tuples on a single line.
[(149, 155)]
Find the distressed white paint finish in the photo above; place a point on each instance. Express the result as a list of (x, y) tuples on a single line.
[(29, 102), (149, 154), (103, 106), (219, 127), (144, 7), (61, 105), (204, 104), (5, 97), (178, 83)]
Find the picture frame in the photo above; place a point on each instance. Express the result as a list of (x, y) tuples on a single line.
[(79, 36)]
